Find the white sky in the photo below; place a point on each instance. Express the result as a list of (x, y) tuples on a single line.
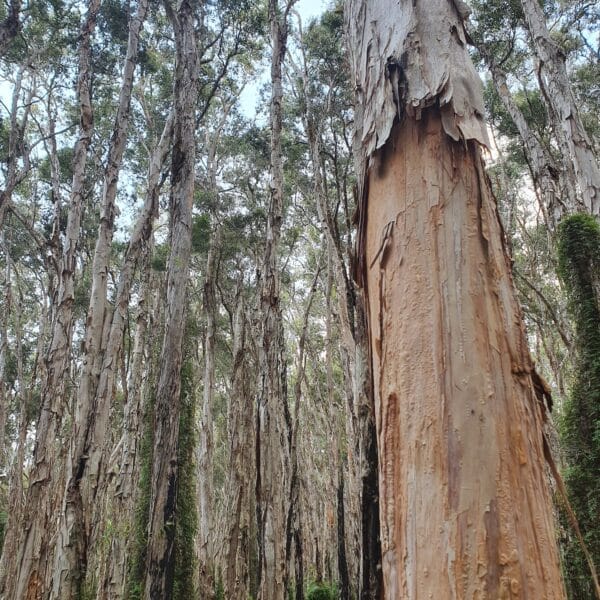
[(307, 9)]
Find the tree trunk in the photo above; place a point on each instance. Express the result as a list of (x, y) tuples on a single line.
[(205, 455), (30, 575), (274, 427), (465, 510), (241, 468), (161, 530), (138, 250), (92, 412), (556, 90), (545, 173)]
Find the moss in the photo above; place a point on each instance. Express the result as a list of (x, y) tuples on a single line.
[(579, 425), (135, 579), (186, 524)]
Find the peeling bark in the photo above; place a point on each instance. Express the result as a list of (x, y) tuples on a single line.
[(274, 427), (30, 576), (92, 411), (465, 509)]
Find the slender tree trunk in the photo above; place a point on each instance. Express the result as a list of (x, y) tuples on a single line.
[(205, 460), (91, 413), (241, 467), (99, 461), (465, 509), (161, 530), (6, 311), (274, 425), (556, 90), (30, 575), (555, 199)]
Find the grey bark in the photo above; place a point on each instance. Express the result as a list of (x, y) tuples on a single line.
[(92, 411), (273, 412), (30, 575), (161, 529), (556, 90), (241, 460)]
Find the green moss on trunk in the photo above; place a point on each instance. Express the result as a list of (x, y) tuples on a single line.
[(579, 268)]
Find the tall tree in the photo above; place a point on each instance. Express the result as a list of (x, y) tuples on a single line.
[(160, 565), (555, 86), (459, 422), (31, 574), (274, 423)]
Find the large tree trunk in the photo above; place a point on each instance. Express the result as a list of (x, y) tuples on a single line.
[(163, 497), (205, 446), (465, 509)]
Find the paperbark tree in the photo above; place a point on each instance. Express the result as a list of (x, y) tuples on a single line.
[(274, 426), (92, 411), (30, 574), (465, 509), (160, 562), (554, 84)]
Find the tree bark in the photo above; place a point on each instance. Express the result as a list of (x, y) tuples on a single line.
[(205, 449), (30, 576), (241, 467), (161, 530), (274, 427), (465, 510), (556, 90), (92, 411)]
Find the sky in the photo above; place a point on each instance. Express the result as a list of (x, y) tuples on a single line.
[(307, 9)]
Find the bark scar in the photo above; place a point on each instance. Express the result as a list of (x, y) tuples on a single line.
[(386, 242)]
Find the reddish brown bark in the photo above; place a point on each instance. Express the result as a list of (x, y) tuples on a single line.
[(465, 510)]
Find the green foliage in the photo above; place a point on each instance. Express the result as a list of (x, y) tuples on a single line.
[(159, 258), (322, 591), (200, 233), (65, 160), (579, 268)]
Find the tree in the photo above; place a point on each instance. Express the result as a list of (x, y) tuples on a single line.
[(160, 565), (555, 86), (459, 421), (274, 424)]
